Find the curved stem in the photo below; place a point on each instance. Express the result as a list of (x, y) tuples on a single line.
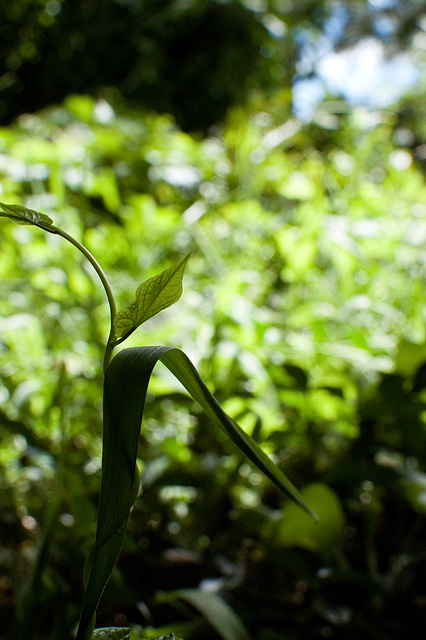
[(105, 283)]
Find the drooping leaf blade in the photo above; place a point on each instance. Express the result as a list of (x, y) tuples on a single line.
[(152, 296), (125, 388), (182, 368), (23, 215)]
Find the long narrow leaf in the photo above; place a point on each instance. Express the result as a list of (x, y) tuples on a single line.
[(124, 401), (125, 388)]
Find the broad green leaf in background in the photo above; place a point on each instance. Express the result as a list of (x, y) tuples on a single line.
[(413, 487), (125, 388), (152, 296), (409, 357), (215, 610), (296, 529), (22, 215)]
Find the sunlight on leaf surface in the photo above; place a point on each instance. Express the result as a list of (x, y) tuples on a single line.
[(22, 215), (152, 296)]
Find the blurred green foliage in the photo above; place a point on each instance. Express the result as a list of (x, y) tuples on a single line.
[(303, 309)]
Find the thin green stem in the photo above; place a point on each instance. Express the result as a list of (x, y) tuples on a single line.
[(111, 344)]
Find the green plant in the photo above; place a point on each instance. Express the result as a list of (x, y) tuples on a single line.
[(126, 381)]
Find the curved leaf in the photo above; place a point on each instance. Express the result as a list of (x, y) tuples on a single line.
[(125, 388), (182, 368)]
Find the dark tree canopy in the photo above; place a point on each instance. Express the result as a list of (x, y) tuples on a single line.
[(191, 59)]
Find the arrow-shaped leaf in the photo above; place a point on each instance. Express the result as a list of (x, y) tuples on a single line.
[(152, 296), (125, 388), (22, 215)]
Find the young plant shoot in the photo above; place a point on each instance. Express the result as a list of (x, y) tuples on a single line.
[(126, 379)]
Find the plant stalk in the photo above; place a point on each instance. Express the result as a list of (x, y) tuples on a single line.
[(111, 343)]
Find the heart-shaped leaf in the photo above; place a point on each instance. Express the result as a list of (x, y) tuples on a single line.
[(152, 296)]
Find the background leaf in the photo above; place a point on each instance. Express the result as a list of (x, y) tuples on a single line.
[(215, 610), (296, 529)]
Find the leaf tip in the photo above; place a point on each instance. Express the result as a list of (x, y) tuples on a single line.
[(21, 215)]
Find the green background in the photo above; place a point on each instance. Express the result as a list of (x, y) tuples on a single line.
[(149, 130)]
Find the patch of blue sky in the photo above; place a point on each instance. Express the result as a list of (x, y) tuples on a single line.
[(379, 5), (362, 75)]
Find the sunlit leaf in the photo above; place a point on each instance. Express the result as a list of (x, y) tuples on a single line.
[(152, 296), (22, 215), (409, 357)]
